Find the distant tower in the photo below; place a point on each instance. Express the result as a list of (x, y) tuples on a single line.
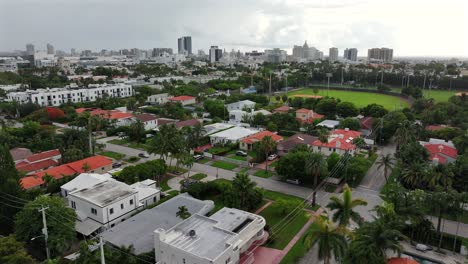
[(50, 49), (184, 45), (30, 49), (333, 54)]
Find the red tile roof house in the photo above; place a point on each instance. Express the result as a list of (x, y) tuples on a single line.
[(307, 116), (285, 146), (39, 161), (20, 154), (184, 100), (150, 121), (189, 123), (440, 152), (340, 141), (96, 164), (282, 109), (120, 118), (248, 142), (436, 127)]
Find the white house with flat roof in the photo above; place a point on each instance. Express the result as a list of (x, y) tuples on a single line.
[(232, 135), (101, 202), (222, 238), (241, 105)]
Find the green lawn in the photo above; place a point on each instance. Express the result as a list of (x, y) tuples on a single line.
[(263, 174), (112, 154), (271, 195), (360, 99), (118, 141), (164, 186), (198, 176), (299, 249), (284, 233), (273, 164), (238, 158), (244, 170), (203, 161), (439, 95), (132, 159), (224, 165)]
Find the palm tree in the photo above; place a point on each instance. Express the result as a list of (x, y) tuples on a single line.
[(343, 208), (266, 146), (161, 142), (404, 133), (85, 167), (330, 241), (316, 166), (440, 176), (386, 162), (414, 175), (371, 242), (183, 212), (243, 186)]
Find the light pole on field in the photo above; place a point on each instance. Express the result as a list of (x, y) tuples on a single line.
[(329, 75)]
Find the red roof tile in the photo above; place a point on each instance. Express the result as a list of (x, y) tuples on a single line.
[(366, 122), (260, 135), (31, 182), (347, 133), (190, 122), (441, 149), (20, 153), (401, 261), (108, 114), (436, 127), (146, 117), (43, 155), (182, 98), (282, 109), (202, 148), (336, 143), (76, 167), (36, 166), (303, 110)]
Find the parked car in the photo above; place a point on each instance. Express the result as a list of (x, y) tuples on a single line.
[(198, 157), (116, 165), (293, 181), (187, 183), (272, 157), (143, 155), (241, 153)]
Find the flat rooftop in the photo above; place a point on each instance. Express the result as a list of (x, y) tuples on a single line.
[(138, 230), (235, 133), (207, 240), (231, 219), (104, 193)]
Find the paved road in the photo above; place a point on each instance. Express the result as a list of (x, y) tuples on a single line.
[(374, 178)]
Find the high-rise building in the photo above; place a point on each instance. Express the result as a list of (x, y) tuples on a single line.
[(73, 52), (382, 54), (350, 54), (333, 54), (304, 52), (30, 49), (275, 55), (50, 49), (157, 52), (184, 45), (215, 54)]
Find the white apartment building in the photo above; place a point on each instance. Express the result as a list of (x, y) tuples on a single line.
[(241, 105), (158, 98), (101, 202), (222, 238), (58, 96)]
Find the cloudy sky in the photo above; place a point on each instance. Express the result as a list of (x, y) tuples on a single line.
[(411, 27)]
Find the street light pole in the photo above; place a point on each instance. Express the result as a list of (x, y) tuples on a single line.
[(44, 230), (328, 84)]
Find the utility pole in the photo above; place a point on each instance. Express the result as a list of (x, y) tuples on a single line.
[(328, 84), (44, 230), (101, 245), (381, 79), (407, 83), (270, 84), (342, 80)]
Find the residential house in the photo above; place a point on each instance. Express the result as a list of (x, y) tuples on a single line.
[(231, 135), (19, 154), (184, 100), (227, 236), (101, 202), (118, 118), (239, 116), (282, 109), (440, 151), (150, 121), (216, 127), (158, 98), (339, 141), (366, 124), (285, 146), (248, 142), (307, 116), (187, 123), (330, 124), (241, 105), (137, 231), (95, 164), (39, 161)]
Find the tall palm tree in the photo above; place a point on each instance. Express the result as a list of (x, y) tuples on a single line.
[(372, 241), (267, 145), (243, 186), (316, 166), (404, 133), (440, 176), (343, 208), (386, 162), (414, 175), (331, 242)]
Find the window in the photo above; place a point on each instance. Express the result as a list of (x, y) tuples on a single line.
[(111, 211), (112, 225), (73, 204), (121, 206), (154, 199), (131, 201), (93, 211), (228, 260)]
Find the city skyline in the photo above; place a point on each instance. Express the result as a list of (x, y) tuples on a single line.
[(412, 29)]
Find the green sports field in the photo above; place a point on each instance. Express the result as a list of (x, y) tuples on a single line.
[(360, 99)]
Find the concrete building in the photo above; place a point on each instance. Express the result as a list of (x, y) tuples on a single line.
[(350, 54), (101, 202), (215, 54), (231, 135), (50, 49), (333, 54), (149, 121), (380, 54), (184, 100), (158, 98), (58, 96), (241, 105), (137, 231), (38, 161), (306, 53), (184, 45), (275, 55), (340, 141), (307, 116), (160, 51), (285, 146), (30, 49), (223, 238), (440, 151), (247, 143)]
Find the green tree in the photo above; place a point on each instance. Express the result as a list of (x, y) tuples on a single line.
[(343, 209), (13, 252), (386, 162), (346, 109), (414, 175), (9, 187), (315, 166), (163, 142), (243, 194), (350, 123), (136, 131), (283, 207), (404, 133), (60, 223), (332, 160), (326, 106), (183, 212), (266, 146), (331, 242)]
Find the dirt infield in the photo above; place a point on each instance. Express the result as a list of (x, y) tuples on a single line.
[(307, 96)]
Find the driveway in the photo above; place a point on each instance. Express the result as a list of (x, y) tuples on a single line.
[(374, 179)]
